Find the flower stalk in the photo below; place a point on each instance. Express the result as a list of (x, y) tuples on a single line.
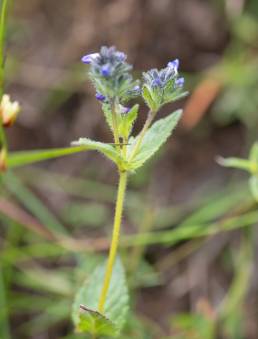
[(115, 127), (115, 239), (115, 87)]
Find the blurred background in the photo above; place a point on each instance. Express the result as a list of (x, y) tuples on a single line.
[(195, 273)]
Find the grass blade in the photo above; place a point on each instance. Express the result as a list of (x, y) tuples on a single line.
[(21, 158)]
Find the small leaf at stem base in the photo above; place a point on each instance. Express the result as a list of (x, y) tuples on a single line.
[(86, 318), (93, 322)]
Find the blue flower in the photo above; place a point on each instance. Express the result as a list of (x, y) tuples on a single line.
[(134, 91), (106, 70), (100, 97), (124, 109), (179, 83), (157, 82), (136, 88), (121, 56), (88, 58), (174, 64), (162, 86), (111, 74), (158, 79)]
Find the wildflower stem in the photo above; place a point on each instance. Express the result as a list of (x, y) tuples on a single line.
[(115, 239), (115, 127), (148, 121), (124, 148)]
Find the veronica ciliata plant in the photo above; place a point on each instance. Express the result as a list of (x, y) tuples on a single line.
[(101, 304)]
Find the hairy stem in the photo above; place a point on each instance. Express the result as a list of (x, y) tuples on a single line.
[(115, 127), (115, 239)]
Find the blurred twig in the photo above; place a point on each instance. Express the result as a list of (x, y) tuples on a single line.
[(17, 214), (199, 102)]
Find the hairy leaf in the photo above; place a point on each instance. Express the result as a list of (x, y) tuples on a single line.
[(153, 139), (126, 121), (115, 309), (95, 324), (108, 114), (108, 150), (147, 96)]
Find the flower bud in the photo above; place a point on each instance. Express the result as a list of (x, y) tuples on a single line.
[(105, 70), (174, 64), (124, 109), (87, 59), (8, 110), (179, 83), (110, 73), (162, 86), (100, 97)]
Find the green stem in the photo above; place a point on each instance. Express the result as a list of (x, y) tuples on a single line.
[(136, 147), (115, 126), (115, 239), (4, 321), (2, 39), (3, 140)]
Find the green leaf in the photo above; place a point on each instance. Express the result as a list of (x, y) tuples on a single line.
[(126, 121), (147, 96), (174, 96), (253, 157), (243, 164), (108, 150), (21, 158), (253, 183), (153, 139), (232, 310), (132, 115), (95, 324), (115, 311), (108, 114)]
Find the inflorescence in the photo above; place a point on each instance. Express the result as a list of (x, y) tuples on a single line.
[(111, 76)]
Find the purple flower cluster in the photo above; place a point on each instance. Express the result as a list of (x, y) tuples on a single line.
[(110, 74), (160, 78), (106, 61)]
